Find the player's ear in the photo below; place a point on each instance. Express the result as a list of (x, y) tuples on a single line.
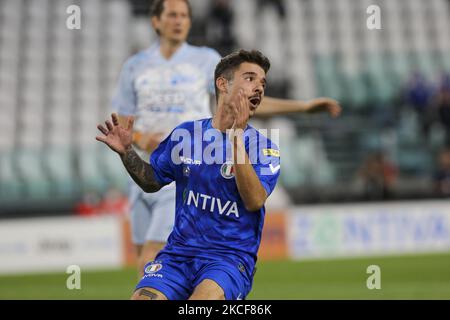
[(155, 23), (222, 84)]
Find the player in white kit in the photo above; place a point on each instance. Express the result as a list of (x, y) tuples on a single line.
[(167, 84)]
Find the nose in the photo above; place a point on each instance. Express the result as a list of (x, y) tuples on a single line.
[(179, 19), (259, 88)]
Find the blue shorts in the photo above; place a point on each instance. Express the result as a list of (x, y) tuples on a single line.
[(176, 277)]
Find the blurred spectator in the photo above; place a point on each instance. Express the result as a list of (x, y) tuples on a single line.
[(418, 95), (113, 202), (89, 204), (376, 177), (442, 175), (443, 105), (141, 7), (219, 32), (278, 4)]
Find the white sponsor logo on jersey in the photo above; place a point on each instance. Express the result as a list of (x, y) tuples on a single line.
[(190, 161), (210, 203)]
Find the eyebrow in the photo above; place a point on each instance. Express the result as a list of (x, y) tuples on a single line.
[(250, 73)]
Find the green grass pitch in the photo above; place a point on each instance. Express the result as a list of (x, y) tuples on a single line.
[(402, 277)]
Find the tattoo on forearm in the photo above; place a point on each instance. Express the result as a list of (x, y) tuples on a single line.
[(141, 172), (151, 295)]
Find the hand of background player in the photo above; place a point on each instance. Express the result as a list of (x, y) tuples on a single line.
[(147, 141), (324, 105), (240, 110), (116, 137)]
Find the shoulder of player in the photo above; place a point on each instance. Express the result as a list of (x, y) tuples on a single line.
[(258, 134), (140, 57), (190, 125), (266, 146), (204, 51)]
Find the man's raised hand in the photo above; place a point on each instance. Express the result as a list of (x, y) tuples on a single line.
[(324, 105), (241, 112), (119, 139)]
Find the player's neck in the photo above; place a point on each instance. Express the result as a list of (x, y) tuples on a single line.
[(168, 48)]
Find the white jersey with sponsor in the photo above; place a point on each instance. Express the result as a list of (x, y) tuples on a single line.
[(162, 93)]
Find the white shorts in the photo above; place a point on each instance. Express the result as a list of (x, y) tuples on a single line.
[(152, 214)]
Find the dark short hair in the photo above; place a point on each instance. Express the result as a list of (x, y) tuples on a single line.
[(228, 65), (157, 8)]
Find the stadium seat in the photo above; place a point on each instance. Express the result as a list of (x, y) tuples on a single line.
[(291, 175), (328, 83), (59, 126), (425, 63), (324, 175), (199, 8), (397, 69), (244, 24), (303, 152), (415, 162), (381, 90), (437, 136), (272, 42), (445, 62), (8, 125), (113, 169), (29, 168), (54, 77), (357, 91), (11, 187), (89, 169), (60, 164), (408, 130)]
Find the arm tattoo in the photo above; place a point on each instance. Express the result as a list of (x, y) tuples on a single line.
[(141, 172), (151, 295)]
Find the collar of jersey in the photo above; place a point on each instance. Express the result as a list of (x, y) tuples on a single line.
[(210, 126), (157, 45)]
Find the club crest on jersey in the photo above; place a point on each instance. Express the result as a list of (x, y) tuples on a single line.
[(154, 267), (227, 170)]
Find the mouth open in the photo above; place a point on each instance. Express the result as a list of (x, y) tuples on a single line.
[(254, 101)]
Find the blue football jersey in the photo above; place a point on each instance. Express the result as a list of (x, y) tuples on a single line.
[(210, 218)]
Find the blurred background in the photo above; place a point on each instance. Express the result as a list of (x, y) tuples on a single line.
[(373, 182)]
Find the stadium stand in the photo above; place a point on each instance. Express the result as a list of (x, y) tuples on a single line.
[(56, 85)]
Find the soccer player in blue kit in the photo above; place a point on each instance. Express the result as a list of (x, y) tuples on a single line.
[(212, 250), (161, 87)]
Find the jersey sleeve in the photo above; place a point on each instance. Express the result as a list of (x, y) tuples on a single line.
[(162, 163), (124, 99), (268, 167)]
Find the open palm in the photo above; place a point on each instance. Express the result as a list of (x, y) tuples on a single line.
[(325, 105), (119, 139), (240, 111)]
